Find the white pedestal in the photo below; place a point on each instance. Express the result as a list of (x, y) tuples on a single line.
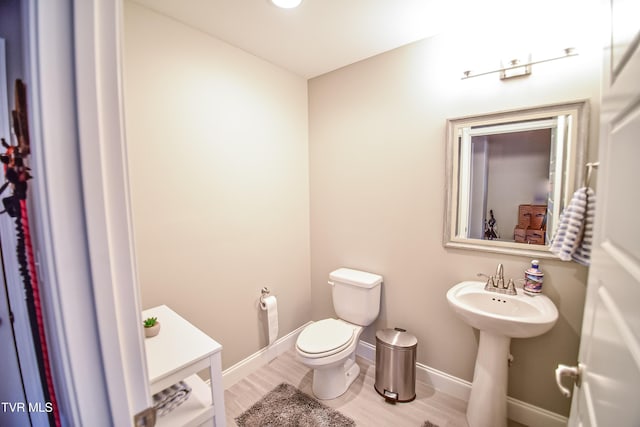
[(488, 401)]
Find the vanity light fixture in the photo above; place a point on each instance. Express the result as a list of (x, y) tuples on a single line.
[(287, 4), (516, 68)]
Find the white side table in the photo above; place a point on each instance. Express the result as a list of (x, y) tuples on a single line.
[(176, 354)]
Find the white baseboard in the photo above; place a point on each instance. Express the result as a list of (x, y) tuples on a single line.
[(366, 351), (235, 373), (517, 410), (533, 416)]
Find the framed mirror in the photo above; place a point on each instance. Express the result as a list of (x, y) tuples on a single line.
[(509, 176)]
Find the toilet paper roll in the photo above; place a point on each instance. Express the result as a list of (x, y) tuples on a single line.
[(270, 305)]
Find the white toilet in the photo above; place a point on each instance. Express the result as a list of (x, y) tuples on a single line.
[(329, 346)]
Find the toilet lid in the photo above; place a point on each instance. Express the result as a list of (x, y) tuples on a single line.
[(324, 335)]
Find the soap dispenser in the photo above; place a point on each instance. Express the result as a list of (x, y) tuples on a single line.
[(533, 279)]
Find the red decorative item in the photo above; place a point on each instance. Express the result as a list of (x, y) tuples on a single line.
[(17, 174)]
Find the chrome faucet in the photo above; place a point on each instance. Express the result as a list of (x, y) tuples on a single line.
[(500, 277), (496, 283)]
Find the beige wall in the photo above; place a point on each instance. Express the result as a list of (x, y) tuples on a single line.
[(218, 163), (229, 178), (377, 140)]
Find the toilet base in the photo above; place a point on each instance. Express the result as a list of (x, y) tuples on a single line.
[(333, 381)]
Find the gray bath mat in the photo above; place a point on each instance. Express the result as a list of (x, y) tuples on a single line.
[(285, 405)]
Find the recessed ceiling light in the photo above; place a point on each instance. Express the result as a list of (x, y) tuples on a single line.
[(287, 4)]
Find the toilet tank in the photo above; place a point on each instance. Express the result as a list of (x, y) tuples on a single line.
[(356, 295)]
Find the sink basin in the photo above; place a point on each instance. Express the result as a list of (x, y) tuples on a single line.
[(499, 317), (513, 316)]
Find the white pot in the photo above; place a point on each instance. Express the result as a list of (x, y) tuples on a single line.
[(152, 331)]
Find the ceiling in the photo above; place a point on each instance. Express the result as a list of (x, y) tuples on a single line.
[(317, 37)]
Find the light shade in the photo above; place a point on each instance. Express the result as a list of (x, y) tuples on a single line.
[(287, 4)]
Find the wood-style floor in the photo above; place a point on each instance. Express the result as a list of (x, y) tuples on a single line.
[(360, 403)]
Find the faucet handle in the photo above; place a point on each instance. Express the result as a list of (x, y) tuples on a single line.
[(511, 288), (490, 285)]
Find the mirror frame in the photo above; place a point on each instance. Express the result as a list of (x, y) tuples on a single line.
[(572, 178)]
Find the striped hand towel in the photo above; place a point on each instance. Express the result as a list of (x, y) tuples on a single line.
[(574, 234)]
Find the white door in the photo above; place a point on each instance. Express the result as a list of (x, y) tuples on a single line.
[(81, 212), (609, 357)]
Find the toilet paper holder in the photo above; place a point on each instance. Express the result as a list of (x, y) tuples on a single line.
[(265, 292)]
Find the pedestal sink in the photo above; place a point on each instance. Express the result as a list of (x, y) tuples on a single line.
[(499, 317)]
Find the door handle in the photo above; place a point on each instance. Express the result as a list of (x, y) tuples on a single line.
[(567, 371)]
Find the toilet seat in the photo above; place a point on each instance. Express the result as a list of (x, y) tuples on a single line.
[(324, 338)]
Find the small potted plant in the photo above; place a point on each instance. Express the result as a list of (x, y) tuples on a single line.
[(151, 327)]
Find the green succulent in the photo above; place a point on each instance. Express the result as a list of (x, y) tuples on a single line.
[(150, 321)]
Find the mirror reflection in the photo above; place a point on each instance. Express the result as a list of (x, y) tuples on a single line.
[(510, 175)]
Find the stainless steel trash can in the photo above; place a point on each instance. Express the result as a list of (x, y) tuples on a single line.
[(396, 365)]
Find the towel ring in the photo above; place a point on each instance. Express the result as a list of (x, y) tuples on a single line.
[(590, 166)]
